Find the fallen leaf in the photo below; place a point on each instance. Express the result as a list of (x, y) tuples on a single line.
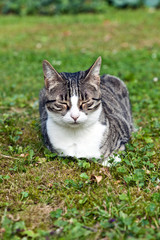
[(13, 218), (107, 37), (117, 182), (107, 22), (105, 171), (41, 160), (50, 185), (66, 33), (22, 155), (96, 178), (2, 230), (148, 172), (125, 44)]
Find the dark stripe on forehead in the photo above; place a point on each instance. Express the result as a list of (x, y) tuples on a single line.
[(72, 80), (68, 88)]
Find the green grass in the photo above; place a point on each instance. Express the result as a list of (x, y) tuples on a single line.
[(45, 197)]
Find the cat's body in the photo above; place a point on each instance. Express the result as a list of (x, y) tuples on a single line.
[(84, 115)]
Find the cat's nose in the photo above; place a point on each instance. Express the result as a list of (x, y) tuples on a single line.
[(75, 117)]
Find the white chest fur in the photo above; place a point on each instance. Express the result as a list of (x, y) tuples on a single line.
[(79, 142)]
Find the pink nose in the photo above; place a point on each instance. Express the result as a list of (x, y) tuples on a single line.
[(74, 117)]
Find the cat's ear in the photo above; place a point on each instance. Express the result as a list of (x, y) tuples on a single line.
[(93, 73), (96, 67), (51, 76)]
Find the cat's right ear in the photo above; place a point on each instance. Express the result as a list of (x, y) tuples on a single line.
[(93, 74), (51, 76)]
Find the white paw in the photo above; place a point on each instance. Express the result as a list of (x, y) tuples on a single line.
[(110, 161)]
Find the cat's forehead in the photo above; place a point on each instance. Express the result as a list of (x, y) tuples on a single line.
[(74, 77), (74, 85), (73, 81)]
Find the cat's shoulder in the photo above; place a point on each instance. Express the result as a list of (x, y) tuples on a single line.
[(42, 96), (114, 83), (42, 93), (112, 80), (42, 101)]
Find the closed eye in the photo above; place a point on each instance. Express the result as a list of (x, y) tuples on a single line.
[(50, 101), (94, 104), (90, 104), (52, 105), (83, 104), (97, 99), (66, 104), (87, 104)]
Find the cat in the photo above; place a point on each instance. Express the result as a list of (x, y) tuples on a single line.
[(83, 114)]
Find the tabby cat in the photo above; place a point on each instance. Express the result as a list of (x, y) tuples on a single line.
[(84, 115)]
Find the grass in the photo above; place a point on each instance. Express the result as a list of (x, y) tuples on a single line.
[(46, 197)]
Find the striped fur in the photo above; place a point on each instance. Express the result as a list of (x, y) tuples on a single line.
[(94, 92)]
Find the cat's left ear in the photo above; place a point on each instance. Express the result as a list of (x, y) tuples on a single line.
[(93, 75)]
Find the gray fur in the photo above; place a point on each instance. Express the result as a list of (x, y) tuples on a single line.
[(116, 110)]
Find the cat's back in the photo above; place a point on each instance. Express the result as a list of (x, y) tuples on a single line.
[(115, 99), (113, 86)]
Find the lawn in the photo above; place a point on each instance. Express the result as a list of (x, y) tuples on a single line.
[(45, 197)]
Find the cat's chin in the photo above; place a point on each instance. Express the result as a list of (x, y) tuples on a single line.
[(74, 125)]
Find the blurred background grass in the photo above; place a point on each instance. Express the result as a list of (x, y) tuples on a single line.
[(51, 7)]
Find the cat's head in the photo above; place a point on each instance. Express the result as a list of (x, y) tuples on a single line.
[(73, 99)]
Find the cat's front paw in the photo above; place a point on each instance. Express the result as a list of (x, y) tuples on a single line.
[(110, 161)]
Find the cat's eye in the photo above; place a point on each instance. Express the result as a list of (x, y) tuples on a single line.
[(81, 106), (97, 99), (90, 104), (65, 104), (85, 104), (50, 101), (55, 105)]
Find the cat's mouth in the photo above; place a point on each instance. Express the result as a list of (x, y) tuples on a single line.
[(74, 124)]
